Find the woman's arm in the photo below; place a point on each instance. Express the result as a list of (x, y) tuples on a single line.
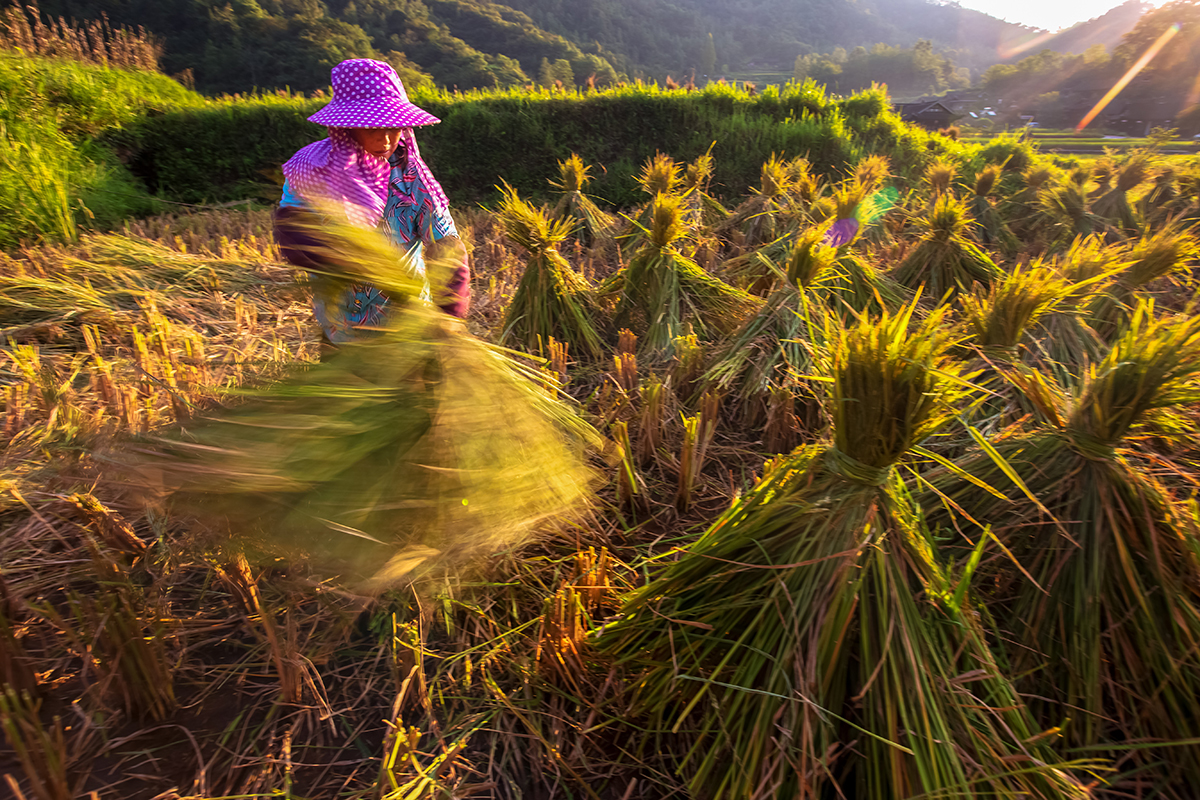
[(455, 298)]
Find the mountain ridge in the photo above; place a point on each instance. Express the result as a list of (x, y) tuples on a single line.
[(237, 45)]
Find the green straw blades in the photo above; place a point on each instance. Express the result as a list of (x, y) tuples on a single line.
[(808, 644), (1100, 603), (662, 292), (945, 260), (551, 299), (417, 446)]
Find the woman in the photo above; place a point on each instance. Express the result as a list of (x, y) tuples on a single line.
[(370, 171)]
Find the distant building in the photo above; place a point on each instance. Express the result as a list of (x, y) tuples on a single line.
[(931, 115)]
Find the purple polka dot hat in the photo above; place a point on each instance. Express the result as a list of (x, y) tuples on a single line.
[(369, 94)]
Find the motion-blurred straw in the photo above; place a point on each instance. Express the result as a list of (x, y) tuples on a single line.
[(808, 644), (413, 448)]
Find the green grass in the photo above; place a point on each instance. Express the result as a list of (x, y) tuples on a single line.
[(54, 177)]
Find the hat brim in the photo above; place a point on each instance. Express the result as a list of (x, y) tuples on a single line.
[(372, 113)]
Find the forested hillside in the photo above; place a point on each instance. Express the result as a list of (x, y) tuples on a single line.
[(236, 45)]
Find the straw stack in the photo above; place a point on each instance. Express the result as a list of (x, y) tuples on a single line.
[(808, 644), (552, 299), (1099, 588)]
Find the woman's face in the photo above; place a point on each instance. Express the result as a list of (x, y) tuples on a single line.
[(381, 142)]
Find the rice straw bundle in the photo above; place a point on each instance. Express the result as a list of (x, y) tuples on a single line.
[(992, 228), (703, 211), (1021, 207), (772, 349), (660, 175), (939, 177), (552, 299), (997, 320), (945, 260), (1065, 342), (1157, 202), (1186, 205), (762, 217), (599, 227), (808, 645), (1066, 210), (668, 292), (803, 186), (1104, 615), (872, 171), (997, 317), (414, 448), (1165, 253), (1113, 205), (707, 210)]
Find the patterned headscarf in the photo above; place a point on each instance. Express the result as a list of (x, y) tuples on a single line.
[(337, 172)]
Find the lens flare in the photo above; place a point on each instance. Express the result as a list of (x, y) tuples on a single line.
[(1128, 76)]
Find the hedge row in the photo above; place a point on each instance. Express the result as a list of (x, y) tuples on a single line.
[(231, 149)]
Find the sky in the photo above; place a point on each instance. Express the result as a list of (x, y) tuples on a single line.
[(1049, 14)]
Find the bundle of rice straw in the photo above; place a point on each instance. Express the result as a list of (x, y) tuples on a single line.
[(939, 177), (997, 321), (660, 175), (418, 447), (804, 188), (1022, 206), (1156, 204), (706, 209), (1167, 252), (598, 227), (702, 212), (772, 349), (991, 227), (945, 260), (855, 283), (552, 299), (1064, 341), (667, 292), (1103, 613), (808, 645), (1113, 205), (764, 216), (1066, 211)]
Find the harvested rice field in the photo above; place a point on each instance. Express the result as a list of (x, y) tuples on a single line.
[(857, 486)]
